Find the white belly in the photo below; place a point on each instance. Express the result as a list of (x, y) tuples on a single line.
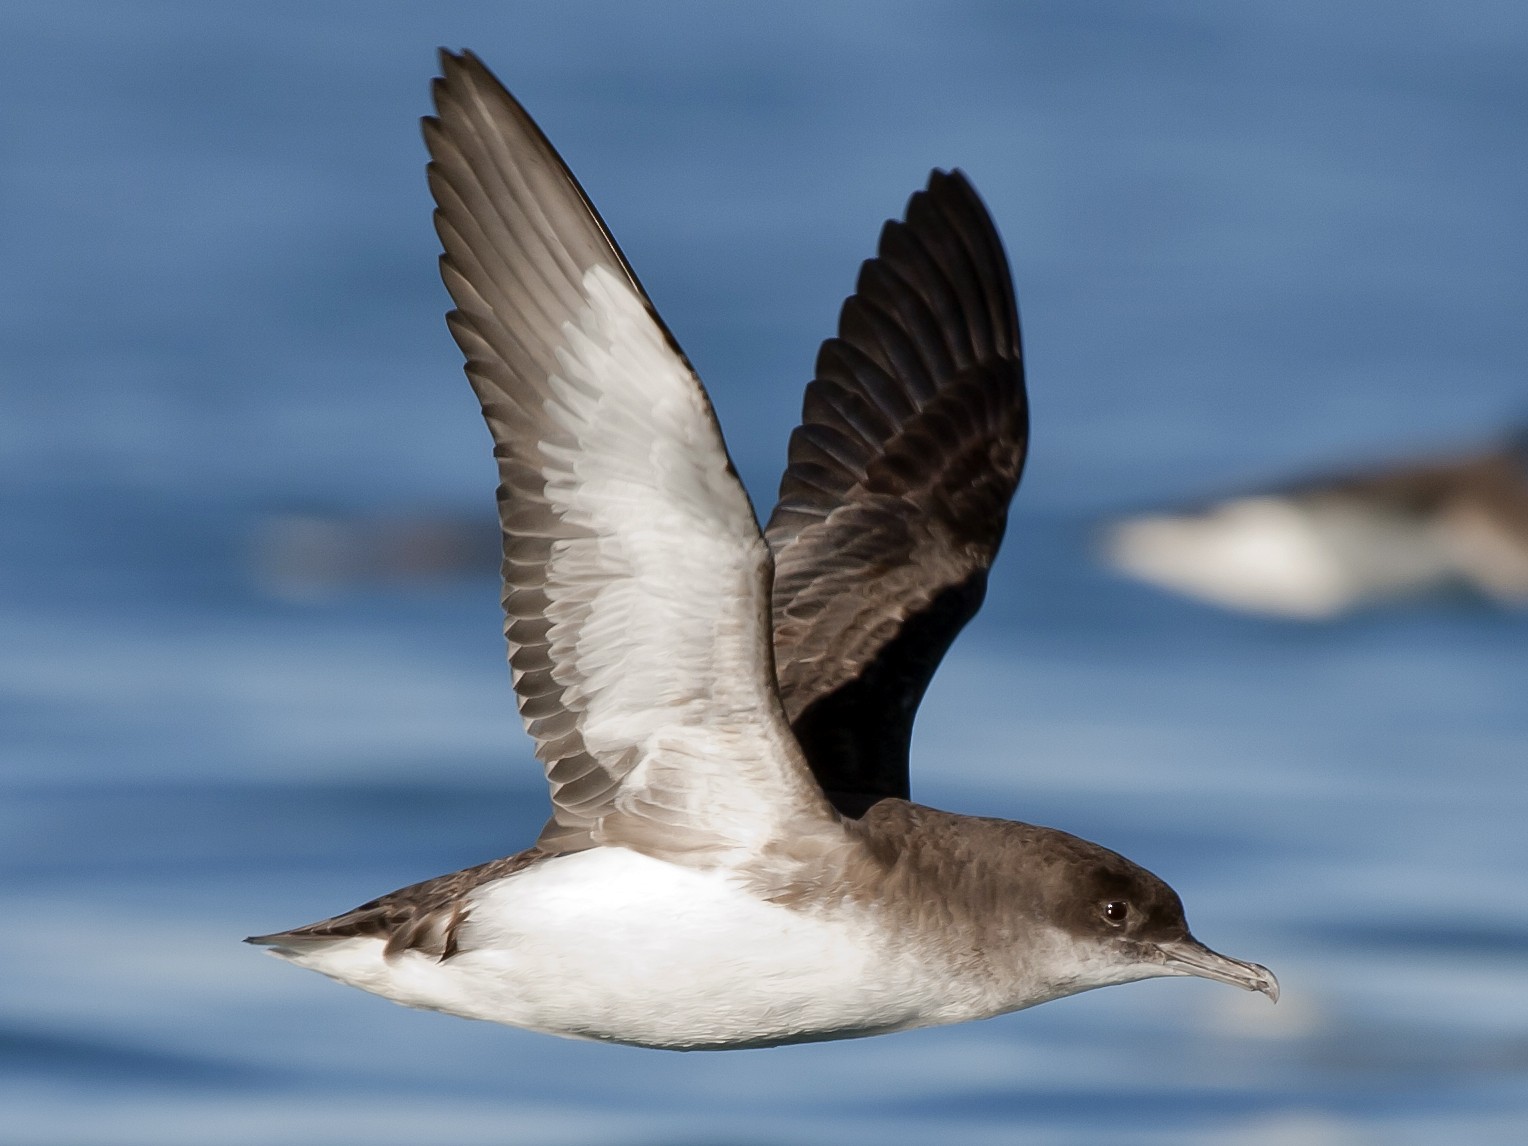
[(609, 944)]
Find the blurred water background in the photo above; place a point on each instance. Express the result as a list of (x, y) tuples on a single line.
[(1249, 239)]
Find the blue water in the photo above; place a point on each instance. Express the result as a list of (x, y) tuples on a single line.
[(1248, 238)]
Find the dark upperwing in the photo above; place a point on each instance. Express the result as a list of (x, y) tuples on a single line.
[(896, 492)]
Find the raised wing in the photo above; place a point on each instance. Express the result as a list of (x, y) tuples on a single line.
[(911, 443), (635, 578)]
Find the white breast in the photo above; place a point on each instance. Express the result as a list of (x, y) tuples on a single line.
[(610, 944)]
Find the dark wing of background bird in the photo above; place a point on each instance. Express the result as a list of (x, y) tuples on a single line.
[(896, 492)]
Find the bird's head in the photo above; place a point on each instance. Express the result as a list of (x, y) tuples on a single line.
[(1112, 921)]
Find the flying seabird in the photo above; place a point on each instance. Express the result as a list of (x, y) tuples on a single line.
[(1317, 548), (723, 715)]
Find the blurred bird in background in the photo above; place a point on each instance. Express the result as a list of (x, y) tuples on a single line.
[(1317, 548)]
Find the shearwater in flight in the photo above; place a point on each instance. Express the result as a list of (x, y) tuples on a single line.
[(724, 715), (1314, 549)]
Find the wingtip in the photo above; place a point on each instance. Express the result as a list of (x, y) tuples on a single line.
[(460, 74), (954, 183), (945, 191), (940, 177), (465, 62)]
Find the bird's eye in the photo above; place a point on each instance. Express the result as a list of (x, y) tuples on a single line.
[(1116, 911)]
